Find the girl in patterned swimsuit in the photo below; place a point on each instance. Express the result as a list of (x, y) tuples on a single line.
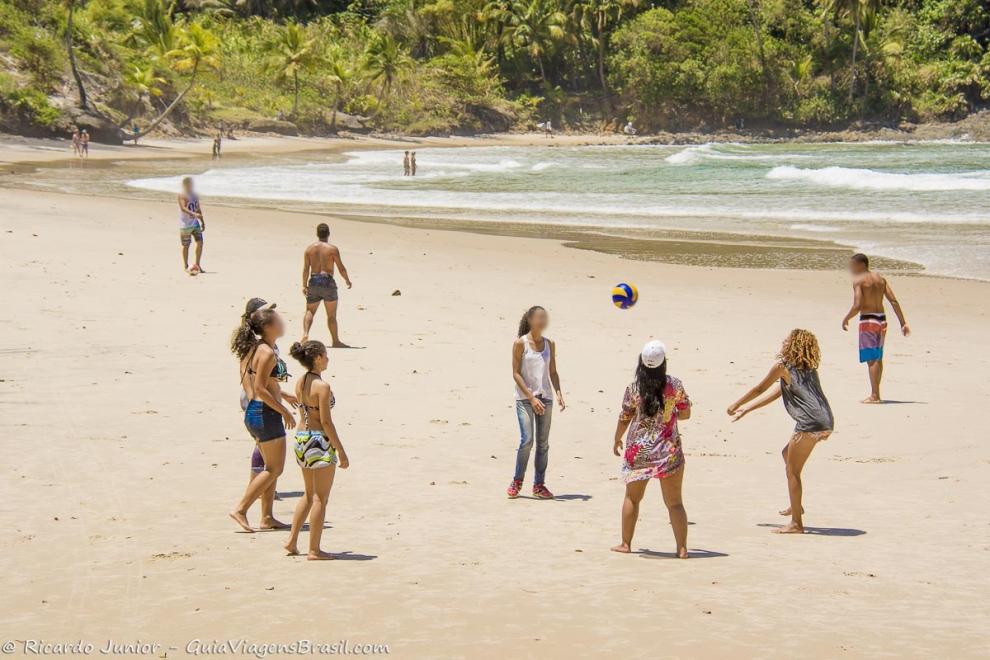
[(651, 408), (794, 376), (317, 447)]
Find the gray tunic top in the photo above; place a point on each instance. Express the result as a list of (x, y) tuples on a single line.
[(805, 401)]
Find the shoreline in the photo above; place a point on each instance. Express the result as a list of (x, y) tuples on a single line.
[(724, 249)]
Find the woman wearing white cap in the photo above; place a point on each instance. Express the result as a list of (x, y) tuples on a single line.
[(651, 408)]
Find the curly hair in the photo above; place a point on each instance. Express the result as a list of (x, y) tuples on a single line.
[(800, 350), (245, 338), (307, 352)]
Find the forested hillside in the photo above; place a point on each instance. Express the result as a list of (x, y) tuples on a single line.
[(444, 66)]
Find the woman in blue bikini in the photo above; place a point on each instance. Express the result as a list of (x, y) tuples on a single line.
[(265, 417)]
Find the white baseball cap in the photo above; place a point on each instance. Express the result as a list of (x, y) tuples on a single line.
[(654, 353)]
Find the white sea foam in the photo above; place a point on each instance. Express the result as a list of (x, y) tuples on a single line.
[(863, 179)]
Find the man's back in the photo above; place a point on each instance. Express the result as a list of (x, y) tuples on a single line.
[(321, 257), (872, 288)]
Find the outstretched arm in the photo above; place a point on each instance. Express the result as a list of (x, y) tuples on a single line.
[(343, 271), (776, 372), (889, 295), (857, 303), (766, 399)]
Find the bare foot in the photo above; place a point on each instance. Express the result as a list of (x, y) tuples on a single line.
[(872, 399), (291, 550), (241, 520), (622, 547), (271, 523), (319, 556), (787, 511), (340, 344), (789, 528), (682, 553), (304, 339)]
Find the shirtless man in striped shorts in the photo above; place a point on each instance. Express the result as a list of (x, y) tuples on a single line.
[(869, 292)]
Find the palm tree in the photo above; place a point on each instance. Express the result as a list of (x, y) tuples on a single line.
[(83, 103), (154, 29), (861, 11), (339, 74), (536, 25), (385, 60), (196, 49), (293, 55), (602, 16), (495, 13)]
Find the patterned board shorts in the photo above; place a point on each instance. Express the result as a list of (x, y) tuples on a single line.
[(322, 287), (186, 236), (314, 451)]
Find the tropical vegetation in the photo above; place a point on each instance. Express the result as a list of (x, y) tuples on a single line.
[(440, 66)]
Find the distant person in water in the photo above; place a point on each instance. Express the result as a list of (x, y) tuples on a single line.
[(406, 165), (651, 407), (317, 447), (75, 141), (84, 143), (319, 285), (412, 164), (534, 370), (794, 376), (192, 224), (869, 291)]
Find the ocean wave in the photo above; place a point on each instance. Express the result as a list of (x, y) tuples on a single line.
[(864, 179), (690, 156)]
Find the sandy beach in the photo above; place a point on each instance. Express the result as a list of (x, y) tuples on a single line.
[(125, 449)]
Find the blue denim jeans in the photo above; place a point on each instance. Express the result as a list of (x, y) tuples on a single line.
[(533, 427)]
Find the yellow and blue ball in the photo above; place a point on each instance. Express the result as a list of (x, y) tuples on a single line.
[(624, 295)]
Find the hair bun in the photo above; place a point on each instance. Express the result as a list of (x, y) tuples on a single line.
[(296, 350)]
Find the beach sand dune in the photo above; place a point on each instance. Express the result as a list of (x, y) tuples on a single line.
[(124, 450)]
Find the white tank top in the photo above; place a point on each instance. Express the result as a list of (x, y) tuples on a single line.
[(187, 220), (535, 370)]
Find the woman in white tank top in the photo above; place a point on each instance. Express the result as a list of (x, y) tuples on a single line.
[(534, 370)]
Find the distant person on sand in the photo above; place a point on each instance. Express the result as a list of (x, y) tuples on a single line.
[(412, 164), (319, 261), (651, 407), (84, 143), (406, 165), (75, 141), (269, 496), (192, 224), (265, 417), (629, 129), (794, 376), (317, 447), (534, 369), (548, 128), (869, 291), (216, 147)]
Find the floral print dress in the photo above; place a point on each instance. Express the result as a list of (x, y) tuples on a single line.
[(653, 444)]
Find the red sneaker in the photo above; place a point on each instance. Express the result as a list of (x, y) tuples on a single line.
[(513, 490), (541, 492)]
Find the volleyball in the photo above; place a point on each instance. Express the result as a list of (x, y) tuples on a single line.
[(624, 295)]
